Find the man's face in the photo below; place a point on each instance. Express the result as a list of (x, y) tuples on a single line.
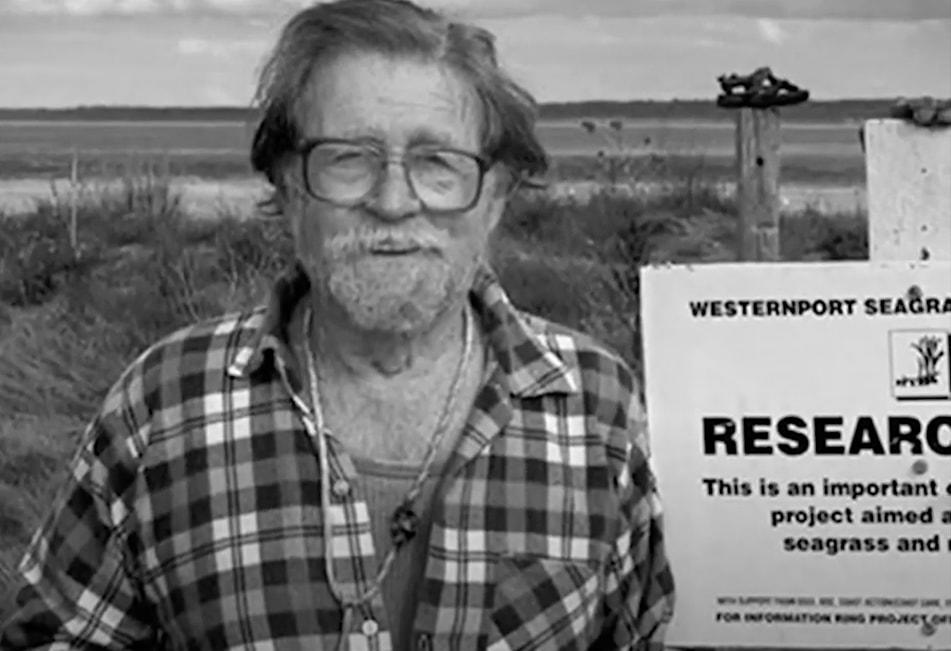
[(388, 263)]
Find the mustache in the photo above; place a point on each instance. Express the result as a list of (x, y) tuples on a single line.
[(368, 239)]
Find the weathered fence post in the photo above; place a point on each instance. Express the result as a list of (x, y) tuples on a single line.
[(757, 182), (757, 157), (73, 209)]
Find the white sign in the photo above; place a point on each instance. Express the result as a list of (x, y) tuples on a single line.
[(800, 420)]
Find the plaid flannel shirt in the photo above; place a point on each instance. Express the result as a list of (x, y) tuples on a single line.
[(190, 518)]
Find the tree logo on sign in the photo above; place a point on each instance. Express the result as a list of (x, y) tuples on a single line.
[(920, 365), (929, 355)]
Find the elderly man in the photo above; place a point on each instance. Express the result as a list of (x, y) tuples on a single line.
[(389, 455)]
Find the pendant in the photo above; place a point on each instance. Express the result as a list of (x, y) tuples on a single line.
[(403, 525)]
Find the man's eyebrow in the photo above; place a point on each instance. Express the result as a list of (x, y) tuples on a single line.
[(430, 137), (361, 136), (423, 136)]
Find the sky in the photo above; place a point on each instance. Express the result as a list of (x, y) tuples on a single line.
[(60, 53)]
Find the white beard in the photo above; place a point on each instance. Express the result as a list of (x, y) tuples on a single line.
[(394, 294)]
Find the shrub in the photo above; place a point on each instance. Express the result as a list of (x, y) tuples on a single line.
[(36, 257), (813, 235), (577, 260), (123, 210), (37, 251), (247, 249)]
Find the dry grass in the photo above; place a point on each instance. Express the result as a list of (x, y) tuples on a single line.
[(33, 456)]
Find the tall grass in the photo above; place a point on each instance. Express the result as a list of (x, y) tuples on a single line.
[(71, 317)]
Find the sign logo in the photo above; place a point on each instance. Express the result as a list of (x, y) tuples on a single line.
[(920, 364)]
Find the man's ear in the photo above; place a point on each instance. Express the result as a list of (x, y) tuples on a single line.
[(496, 208), (290, 191), (505, 185)]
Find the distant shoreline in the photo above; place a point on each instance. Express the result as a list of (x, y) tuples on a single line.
[(725, 122), (828, 111)]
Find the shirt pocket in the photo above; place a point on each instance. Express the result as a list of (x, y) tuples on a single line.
[(544, 604)]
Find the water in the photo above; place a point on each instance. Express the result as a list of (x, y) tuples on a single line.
[(560, 138)]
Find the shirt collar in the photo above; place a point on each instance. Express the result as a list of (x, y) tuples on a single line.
[(526, 354)]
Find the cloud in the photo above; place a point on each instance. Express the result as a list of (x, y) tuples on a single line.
[(892, 10), (77, 7), (179, 60), (219, 96), (219, 48), (770, 31), (195, 46), (131, 7), (895, 10)]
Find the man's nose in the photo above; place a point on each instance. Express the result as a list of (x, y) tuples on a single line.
[(394, 198)]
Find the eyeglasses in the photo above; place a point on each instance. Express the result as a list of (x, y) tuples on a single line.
[(345, 173)]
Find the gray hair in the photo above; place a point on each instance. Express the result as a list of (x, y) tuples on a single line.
[(394, 28)]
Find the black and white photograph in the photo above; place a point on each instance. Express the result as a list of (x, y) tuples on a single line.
[(475, 325)]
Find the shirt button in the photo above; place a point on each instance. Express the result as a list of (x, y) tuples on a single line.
[(341, 488), (369, 627)]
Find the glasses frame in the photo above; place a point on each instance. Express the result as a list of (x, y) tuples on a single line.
[(305, 147)]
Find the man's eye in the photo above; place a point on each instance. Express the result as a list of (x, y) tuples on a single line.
[(345, 157), (438, 160)]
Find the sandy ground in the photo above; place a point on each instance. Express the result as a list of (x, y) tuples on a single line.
[(206, 198)]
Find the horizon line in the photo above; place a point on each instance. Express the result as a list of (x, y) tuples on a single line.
[(75, 107)]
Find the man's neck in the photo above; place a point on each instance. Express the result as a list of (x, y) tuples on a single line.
[(386, 396), (348, 353)]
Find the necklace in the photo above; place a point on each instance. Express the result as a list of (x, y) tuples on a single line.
[(405, 522)]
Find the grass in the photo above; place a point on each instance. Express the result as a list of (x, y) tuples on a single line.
[(801, 168), (72, 316)]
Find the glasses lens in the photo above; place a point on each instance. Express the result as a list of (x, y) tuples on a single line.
[(444, 180), (341, 172)]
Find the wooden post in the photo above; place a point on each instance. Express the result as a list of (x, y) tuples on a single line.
[(757, 190), (908, 173), (757, 155), (73, 225)]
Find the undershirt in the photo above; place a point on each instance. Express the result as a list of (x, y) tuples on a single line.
[(385, 484)]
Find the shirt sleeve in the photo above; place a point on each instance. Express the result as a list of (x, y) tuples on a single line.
[(639, 584), (79, 583)]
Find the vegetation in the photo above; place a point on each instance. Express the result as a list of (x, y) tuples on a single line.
[(74, 312)]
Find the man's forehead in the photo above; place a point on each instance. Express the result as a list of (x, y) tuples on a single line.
[(369, 95)]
